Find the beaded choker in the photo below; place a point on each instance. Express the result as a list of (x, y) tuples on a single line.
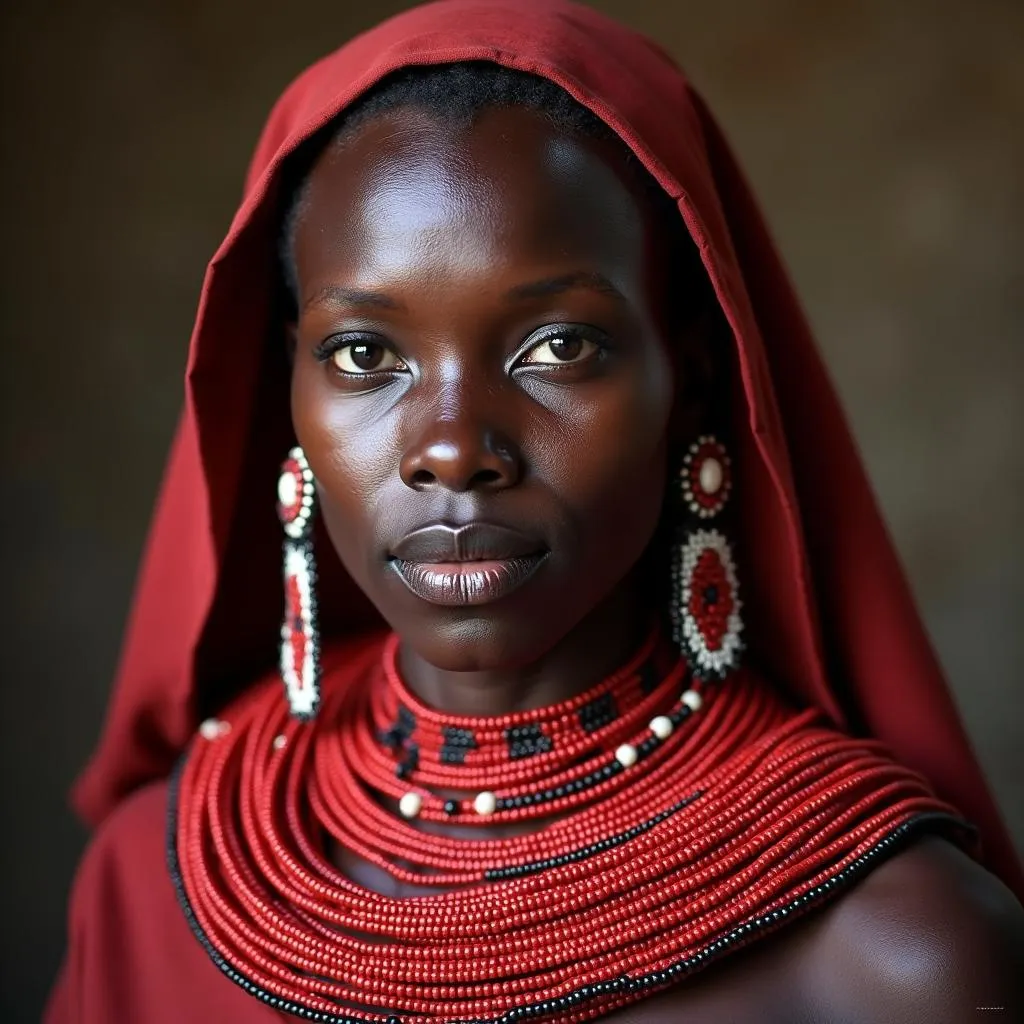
[(536, 763), (642, 866)]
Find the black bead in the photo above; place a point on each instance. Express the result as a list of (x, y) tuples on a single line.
[(526, 740), (598, 713)]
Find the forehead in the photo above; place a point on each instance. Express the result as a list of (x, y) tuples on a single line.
[(510, 187)]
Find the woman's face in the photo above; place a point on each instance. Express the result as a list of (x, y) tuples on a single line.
[(481, 383)]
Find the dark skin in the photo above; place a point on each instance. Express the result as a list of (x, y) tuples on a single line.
[(441, 374)]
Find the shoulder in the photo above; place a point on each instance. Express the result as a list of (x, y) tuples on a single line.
[(127, 848), (929, 935), (131, 953), (122, 884)]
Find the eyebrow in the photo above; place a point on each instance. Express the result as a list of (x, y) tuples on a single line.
[(335, 294), (591, 280)]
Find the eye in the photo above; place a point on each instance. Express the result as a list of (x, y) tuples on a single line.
[(359, 358), (561, 346)]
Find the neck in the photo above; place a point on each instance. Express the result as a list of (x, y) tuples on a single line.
[(592, 650)]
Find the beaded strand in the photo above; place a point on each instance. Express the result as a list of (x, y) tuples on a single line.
[(740, 815)]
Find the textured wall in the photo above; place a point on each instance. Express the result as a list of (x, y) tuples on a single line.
[(884, 137)]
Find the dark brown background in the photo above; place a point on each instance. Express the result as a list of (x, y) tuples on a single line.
[(884, 137)]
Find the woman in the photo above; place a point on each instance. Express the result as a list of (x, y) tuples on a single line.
[(497, 274)]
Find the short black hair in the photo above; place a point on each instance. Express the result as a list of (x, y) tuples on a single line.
[(456, 94)]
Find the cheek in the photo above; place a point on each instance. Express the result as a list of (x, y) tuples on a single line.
[(608, 455), (350, 448), (347, 438)]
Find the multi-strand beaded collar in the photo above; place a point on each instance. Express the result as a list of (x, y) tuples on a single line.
[(671, 823)]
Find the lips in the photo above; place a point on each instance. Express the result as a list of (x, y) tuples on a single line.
[(473, 542), (466, 565)]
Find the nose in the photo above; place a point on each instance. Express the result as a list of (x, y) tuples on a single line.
[(460, 454)]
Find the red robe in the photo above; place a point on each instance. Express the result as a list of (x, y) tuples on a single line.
[(829, 615)]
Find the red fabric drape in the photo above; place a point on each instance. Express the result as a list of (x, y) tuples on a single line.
[(829, 614)]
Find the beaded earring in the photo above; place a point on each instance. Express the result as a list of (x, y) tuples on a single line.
[(300, 640), (705, 605)]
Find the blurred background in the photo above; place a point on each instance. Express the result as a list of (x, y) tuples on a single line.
[(884, 138)]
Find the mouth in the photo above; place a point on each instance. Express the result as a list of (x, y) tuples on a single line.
[(467, 583), (466, 565)]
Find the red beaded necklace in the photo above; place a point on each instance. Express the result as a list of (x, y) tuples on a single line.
[(535, 763), (672, 823)]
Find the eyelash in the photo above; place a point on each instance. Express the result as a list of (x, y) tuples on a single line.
[(326, 349)]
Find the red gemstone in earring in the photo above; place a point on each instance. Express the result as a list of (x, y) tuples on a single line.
[(710, 605), (706, 477)]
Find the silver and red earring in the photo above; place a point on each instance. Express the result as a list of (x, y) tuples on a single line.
[(300, 639), (706, 607)]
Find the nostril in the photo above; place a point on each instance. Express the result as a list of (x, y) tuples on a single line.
[(422, 478), (461, 463)]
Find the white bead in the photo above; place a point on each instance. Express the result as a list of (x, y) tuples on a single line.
[(287, 489), (212, 728), (279, 742), (662, 727), (626, 755), (692, 699), (711, 476), (410, 805), (485, 803)]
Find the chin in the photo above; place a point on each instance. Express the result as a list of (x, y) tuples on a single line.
[(473, 641)]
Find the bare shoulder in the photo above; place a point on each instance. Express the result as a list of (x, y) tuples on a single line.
[(930, 935)]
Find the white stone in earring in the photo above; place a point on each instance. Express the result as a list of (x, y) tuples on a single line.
[(711, 476), (287, 489)]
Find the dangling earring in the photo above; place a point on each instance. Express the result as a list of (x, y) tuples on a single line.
[(705, 604), (300, 639)]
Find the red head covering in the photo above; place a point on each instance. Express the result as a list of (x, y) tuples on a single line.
[(830, 617)]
